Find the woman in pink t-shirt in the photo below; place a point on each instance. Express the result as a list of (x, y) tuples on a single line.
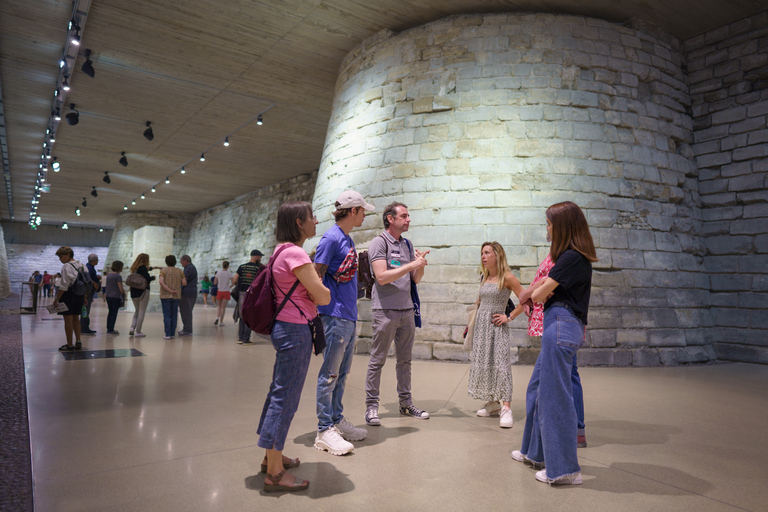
[(292, 340)]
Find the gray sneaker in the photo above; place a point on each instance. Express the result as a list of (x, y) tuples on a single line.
[(350, 432), (372, 417)]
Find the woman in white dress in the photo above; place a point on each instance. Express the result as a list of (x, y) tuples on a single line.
[(490, 372)]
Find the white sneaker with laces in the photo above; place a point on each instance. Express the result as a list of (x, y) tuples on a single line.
[(518, 456), (574, 479), (332, 442), (350, 432), (489, 409), (505, 418)]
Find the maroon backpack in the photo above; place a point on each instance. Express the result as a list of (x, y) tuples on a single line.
[(259, 309)]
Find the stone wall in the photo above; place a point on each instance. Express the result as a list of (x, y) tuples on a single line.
[(5, 276), (728, 77), (121, 246), (480, 122), (24, 259)]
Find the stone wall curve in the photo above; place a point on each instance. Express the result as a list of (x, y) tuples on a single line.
[(480, 122)]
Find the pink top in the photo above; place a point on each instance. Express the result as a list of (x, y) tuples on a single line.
[(536, 320), (291, 258)]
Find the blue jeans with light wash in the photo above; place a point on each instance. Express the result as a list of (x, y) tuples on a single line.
[(337, 361), (170, 315), (551, 422), (293, 343)]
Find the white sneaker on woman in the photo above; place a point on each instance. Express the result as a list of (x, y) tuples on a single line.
[(505, 418), (489, 409)]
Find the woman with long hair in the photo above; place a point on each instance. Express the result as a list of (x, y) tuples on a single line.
[(291, 269), (490, 371), (140, 297), (549, 438), (223, 280)]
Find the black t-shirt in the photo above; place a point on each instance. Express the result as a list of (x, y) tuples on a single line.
[(247, 273), (573, 273)]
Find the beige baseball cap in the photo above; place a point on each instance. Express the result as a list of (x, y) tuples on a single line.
[(350, 199)]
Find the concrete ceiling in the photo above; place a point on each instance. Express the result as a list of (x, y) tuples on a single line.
[(201, 70)]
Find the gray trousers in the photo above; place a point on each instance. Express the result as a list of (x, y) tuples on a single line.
[(244, 333), (140, 307), (186, 305), (389, 325)]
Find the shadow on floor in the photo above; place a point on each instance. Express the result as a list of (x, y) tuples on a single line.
[(324, 481), (654, 479), (604, 432)]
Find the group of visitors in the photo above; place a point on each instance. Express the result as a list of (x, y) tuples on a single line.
[(556, 303)]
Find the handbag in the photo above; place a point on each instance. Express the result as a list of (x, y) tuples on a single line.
[(136, 280), (315, 325), (469, 331)]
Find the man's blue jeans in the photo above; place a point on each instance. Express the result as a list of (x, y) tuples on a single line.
[(551, 422), (170, 315), (337, 361)]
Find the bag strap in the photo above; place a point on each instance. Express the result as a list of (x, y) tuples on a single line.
[(288, 295)]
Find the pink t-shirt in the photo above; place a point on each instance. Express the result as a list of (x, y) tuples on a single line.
[(282, 270)]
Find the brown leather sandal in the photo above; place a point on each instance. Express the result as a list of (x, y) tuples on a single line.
[(292, 463), (276, 486)]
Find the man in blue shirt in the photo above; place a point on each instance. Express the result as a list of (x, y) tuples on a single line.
[(336, 264), (85, 323)]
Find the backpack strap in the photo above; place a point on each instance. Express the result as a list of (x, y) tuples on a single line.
[(288, 295)]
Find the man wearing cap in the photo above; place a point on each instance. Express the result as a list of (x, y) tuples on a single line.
[(336, 264), (245, 275)]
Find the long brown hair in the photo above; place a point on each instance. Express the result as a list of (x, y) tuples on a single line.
[(287, 229), (570, 231), (502, 268), (141, 259)]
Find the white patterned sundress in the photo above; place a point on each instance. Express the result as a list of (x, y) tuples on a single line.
[(490, 371)]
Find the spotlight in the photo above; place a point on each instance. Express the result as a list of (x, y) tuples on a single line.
[(94, 193), (56, 166), (53, 139), (148, 132), (259, 121), (101, 230), (77, 211), (106, 178), (167, 181), (88, 64), (64, 226), (65, 84), (76, 36), (226, 141), (56, 93), (125, 207), (62, 62), (202, 157), (143, 196), (183, 170), (38, 220), (57, 114), (48, 156), (84, 203), (153, 189), (73, 117), (133, 202), (123, 160)]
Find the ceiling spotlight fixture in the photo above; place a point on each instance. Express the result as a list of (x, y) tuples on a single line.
[(183, 170), (56, 166), (84, 203), (106, 178), (167, 181), (64, 226), (101, 230), (148, 132), (56, 93), (38, 220), (53, 139), (153, 189), (125, 207), (62, 62), (133, 202), (143, 196), (57, 114), (202, 157), (76, 36), (77, 211), (123, 161), (94, 193), (259, 121), (65, 83), (73, 117), (88, 64), (226, 141)]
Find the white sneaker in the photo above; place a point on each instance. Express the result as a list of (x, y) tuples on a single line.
[(332, 442), (490, 409), (139, 335), (518, 456), (574, 479), (505, 418), (350, 432)]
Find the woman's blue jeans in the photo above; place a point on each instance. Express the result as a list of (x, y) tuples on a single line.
[(337, 361), (170, 315), (551, 422), (293, 343)]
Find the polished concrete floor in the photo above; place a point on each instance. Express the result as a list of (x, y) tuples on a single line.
[(175, 430)]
